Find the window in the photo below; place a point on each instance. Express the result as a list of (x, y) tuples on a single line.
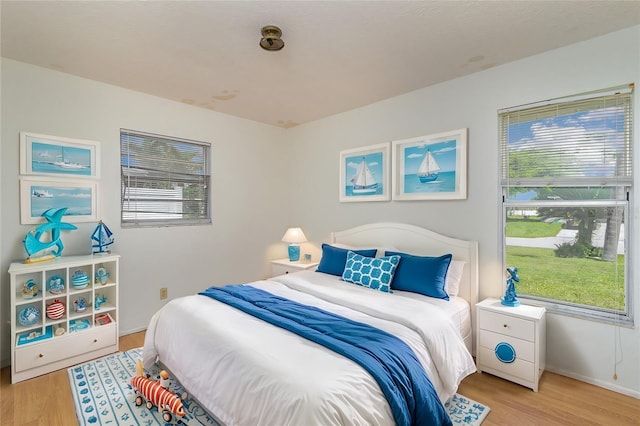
[(566, 176), (165, 180)]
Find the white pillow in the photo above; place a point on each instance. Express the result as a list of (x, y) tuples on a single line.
[(454, 275), (379, 253), (344, 246)]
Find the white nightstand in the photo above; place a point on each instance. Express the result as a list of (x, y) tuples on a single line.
[(511, 341), (284, 266)]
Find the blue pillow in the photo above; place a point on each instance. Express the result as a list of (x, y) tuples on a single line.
[(421, 274), (373, 272), (333, 259)]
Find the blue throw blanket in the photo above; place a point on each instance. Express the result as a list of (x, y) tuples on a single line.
[(410, 393)]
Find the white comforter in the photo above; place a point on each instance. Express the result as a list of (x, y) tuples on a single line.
[(248, 372)]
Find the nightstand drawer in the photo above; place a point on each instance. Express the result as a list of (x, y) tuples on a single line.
[(524, 350), (281, 270), (519, 368), (507, 325), (284, 266)]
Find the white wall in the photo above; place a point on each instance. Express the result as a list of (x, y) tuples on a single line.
[(578, 348), (248, 188)]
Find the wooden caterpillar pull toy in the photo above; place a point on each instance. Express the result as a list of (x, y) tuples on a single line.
[(156, 394)]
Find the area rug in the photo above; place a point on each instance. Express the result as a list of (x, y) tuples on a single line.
[(102, 395), (465, 411)]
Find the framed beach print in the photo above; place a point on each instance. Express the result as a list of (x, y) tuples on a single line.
[(38, 195), (432, 167), (57, 156), (364, 174)]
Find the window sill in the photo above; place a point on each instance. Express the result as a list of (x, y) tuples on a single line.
[(602, 316)]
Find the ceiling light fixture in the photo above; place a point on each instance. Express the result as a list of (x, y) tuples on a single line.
[(271, 38)]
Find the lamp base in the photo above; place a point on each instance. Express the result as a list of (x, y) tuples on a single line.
[(294, 252)]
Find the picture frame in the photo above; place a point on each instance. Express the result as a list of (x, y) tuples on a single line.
[(58, 156), (430, 167), (39, 195), (364, 173)]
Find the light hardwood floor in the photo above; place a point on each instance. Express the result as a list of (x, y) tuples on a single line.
[(46, 400), (559, 401)]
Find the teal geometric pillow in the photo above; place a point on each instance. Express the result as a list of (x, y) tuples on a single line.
[(373, 272)]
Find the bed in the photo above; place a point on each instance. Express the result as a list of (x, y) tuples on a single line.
[(246, 371)]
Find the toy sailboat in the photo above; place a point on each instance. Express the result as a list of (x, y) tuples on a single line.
[(101, 239), (33, 243)]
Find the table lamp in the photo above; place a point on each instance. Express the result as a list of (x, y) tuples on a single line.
[(294, 236)]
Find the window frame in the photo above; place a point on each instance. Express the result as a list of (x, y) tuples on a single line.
[(565, 307), (601, 314), (202, 180)]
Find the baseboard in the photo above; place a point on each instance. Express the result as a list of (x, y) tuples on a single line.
[(600, 383), (132, 330)]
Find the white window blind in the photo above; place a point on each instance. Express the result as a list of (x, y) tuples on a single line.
[(165, 180), (560, 149)]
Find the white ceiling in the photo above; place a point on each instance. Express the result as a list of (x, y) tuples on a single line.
[(338, 55)]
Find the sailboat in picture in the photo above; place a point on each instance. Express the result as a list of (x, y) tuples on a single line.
[(66, 164), (429, 169), (364, 182)]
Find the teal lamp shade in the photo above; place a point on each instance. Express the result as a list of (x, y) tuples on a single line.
[(294, 236)]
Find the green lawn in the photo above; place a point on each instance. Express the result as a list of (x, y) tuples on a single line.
[(584, 281), (531, 228)]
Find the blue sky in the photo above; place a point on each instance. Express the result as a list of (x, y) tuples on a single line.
[(588, 121), (593, 159)]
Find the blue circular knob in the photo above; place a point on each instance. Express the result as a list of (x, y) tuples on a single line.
[(505, 352)]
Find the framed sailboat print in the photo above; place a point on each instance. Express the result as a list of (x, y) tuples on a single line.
[(58, 156), (431, 167), (364, 174)]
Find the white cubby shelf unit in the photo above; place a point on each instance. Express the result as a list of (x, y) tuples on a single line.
[(44, 345)]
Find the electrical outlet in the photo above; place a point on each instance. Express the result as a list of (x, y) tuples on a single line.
[(163, 293)]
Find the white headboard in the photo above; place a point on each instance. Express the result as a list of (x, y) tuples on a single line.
[(420, 241)]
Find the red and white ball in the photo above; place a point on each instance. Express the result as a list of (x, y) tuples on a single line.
[(55, 310)]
